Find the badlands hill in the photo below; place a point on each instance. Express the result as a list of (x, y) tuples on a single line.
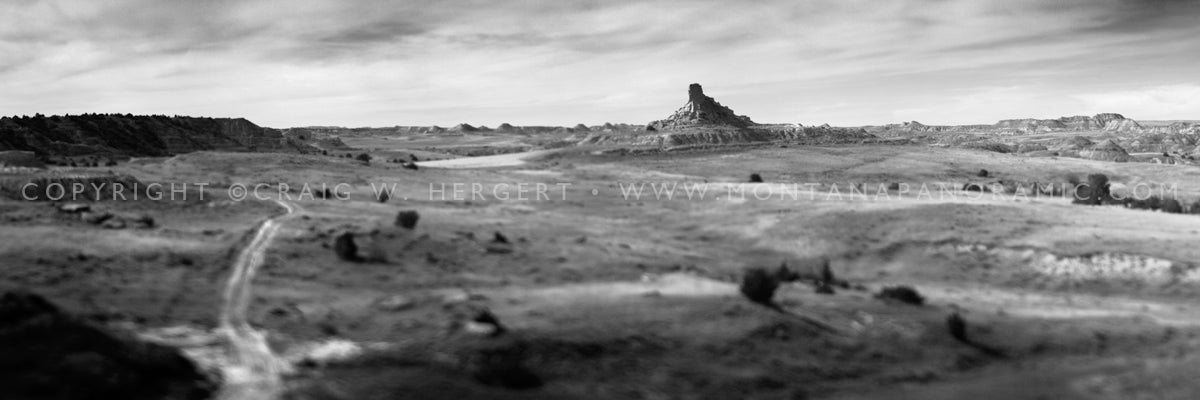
[(700, 112), (1108, 122), (1180, 139), (703, 122), (125, 135)]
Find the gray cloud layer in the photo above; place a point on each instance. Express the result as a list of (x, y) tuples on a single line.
[(376, 62)]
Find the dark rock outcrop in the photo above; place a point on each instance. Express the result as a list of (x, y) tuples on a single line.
[(136, 135), (701, 111), (49, 354)]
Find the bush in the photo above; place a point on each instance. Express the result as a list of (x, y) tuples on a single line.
[(957, 327), (364, 157), (407, 219), (972, 187), (1172, 206), (756, 178), (1153, 203), (383, 196), (759, 286), (1195, 208), (345, 248), (1094, 192), (983, 173), (903, 294)]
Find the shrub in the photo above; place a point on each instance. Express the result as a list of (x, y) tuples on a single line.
[(499, 238), (759, 286), (364, 157), (383, 196), (407, 219), (972, 187), (983, 173), (413, 157), (502, 366), (345, 248), (903, 294), (957, 327), (825, 274), (412, 166), (1153, 203), (1094, 192), (1195, 208), (1172, 206), (756, 178), (785, 274)]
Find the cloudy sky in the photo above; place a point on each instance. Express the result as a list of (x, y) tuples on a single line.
[(284, 63)]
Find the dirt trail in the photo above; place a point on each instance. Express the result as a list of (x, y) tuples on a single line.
[(256, 370)]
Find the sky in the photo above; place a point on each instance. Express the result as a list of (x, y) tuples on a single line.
[(285, 63)]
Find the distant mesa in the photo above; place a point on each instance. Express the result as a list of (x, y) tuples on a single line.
[(699, 112), (506, 127), (581, 128), (464, 127), (138, 135), (1072, 123)]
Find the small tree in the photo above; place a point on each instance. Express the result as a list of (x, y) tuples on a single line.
[(1172, 206), (407, 219), (957, 327), (1153, 203), (759, 286), (383, 196), (345, 248), (1094, 192), (983, 173), (364, 157), (903, 294), (756, 178)]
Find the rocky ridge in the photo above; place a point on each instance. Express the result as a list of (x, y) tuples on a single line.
[(701, 112), (703, 122), (136, 135)]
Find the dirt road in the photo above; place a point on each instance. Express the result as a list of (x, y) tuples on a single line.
[(256, 371)]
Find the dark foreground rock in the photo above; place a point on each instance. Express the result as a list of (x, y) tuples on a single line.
[(48, 354)]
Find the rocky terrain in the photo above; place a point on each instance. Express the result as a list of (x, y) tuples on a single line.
[(702, 122), (700, 256), (701, 111), (123, 136)]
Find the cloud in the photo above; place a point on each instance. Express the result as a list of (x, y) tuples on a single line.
[(1158, 102), (383, 62)]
